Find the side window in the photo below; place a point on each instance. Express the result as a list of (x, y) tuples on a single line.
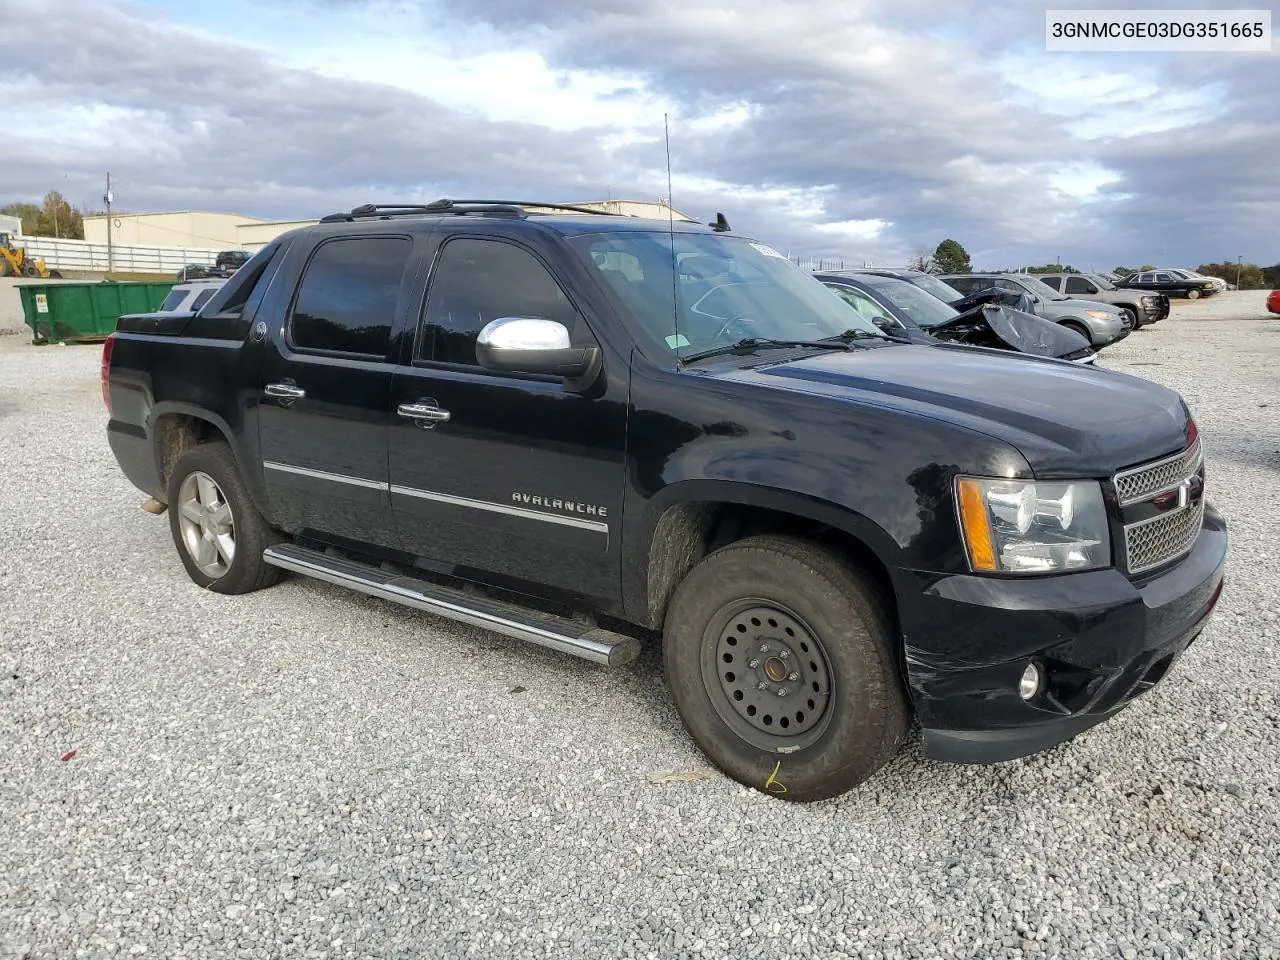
[(1163, 278), (964, 284), (864, 304), (1080, 285), (1056, 282), (347, 299), (1004, 284), (478, 281), (201, 299), (1143, 278)]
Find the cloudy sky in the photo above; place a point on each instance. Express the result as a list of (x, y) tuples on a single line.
[(855, 129)]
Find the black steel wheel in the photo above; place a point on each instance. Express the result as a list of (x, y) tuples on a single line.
[(767, 675), (780, 656)]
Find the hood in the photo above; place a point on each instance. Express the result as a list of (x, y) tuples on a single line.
[(1067, 419), (1003, 327), (1074, 304)]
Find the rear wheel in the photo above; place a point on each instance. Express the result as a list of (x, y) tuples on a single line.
[(219, 533), (780, 659)]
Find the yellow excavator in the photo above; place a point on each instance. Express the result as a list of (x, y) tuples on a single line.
[(14, 262)]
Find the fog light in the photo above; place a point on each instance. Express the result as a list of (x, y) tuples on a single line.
[(1029, 685)]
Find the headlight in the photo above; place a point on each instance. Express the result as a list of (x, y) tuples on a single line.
[(1024, 526), (1100, 314)]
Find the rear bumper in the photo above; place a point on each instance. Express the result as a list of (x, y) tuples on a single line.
[(1100, 639)]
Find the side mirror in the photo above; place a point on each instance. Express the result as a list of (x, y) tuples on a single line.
[(886, 324), (533, 345)]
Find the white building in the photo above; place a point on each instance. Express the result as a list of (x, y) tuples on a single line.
[(204, 229)]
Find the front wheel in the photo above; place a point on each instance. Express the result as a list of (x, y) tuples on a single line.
[(779, 656), (1134, 322), (219, 533), (1079, 328), (1193, 294)]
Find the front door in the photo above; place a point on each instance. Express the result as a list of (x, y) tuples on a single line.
[(505, 478), (326, 391)]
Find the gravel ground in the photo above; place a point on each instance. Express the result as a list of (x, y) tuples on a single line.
[(303, 772)]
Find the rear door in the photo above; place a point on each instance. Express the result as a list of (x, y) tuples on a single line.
[(325, 387), (1080, 287), (515, 479)]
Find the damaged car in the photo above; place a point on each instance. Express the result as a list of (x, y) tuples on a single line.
[(902, 308)]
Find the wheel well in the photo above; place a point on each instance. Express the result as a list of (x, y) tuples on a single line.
[(687, 532), (175, 434)]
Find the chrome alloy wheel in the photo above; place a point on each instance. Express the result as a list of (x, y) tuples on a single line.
[(207, 524)]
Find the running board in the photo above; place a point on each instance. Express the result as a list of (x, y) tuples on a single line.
[(544, 629)]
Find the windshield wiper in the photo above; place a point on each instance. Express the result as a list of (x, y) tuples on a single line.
[(748, 343), (853, 333)]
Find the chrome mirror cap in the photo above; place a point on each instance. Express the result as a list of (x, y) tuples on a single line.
[(524, 333)]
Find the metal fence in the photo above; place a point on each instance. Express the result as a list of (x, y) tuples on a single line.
[(82, 255), (818, 264)]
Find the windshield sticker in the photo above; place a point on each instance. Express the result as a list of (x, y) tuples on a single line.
[(678, 340), (767, 250)]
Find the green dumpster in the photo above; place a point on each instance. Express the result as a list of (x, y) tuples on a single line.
[(76, 312)]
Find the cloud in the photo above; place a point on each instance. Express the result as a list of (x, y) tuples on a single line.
[(844, 130)]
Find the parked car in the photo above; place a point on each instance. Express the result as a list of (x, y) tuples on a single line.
[(229, 261), (904, 309), (1220, 284), (1141, 308), (195, 271), (191, 296), (1164, 281), (1099, 324), (1273, 301), (929, 283), (830, 528)]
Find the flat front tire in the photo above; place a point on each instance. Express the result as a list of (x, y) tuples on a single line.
[(780, 657), (219, 533)]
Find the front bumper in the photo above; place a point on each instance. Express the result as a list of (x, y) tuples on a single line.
[(1103, 333), (1100, 639)]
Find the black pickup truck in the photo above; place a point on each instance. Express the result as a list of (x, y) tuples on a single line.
[(587, 430)]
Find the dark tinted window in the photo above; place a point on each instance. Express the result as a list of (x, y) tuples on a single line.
[(1080, 285), (174, 298), (347, 300), (1056, 282), (966, 285), (201, 299), (1163, 278), (477, 281)]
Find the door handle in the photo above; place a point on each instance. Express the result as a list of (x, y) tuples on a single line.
[(285, 391), (426, 415)]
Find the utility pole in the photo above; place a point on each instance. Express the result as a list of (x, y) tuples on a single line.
[(1239, 270), (106, 197)]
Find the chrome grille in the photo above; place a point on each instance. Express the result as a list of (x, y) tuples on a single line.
[(1153, 542), (1146, 481)]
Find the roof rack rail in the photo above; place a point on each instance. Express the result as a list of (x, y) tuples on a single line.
[(507, 208)]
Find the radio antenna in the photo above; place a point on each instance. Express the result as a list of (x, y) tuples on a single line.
[(671, 233)]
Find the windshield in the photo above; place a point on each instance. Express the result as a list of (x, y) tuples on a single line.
[(1040, 289), (726, 289), (938, 288), (1101, 281), (926, 310)]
